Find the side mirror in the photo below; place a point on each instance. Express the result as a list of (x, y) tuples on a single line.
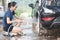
[(31, 5)]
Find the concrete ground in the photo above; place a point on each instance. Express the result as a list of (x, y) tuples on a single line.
[(30, 34)]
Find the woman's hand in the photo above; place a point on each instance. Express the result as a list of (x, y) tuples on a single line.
[(18, 21)]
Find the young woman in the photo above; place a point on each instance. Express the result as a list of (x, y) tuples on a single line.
[(8, 19)]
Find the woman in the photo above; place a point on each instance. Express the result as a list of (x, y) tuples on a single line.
[(8, 19)]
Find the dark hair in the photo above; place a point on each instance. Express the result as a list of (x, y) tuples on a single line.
[(11, 4)]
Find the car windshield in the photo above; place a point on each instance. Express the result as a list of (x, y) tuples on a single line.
[(50, 3)]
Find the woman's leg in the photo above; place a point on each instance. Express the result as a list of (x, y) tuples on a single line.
[(16, 28), (18, 24)]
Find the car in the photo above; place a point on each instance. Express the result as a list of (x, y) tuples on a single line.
[(49, 17), (1, 11)]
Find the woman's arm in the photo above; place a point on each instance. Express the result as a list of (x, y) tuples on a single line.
[(13, 21)]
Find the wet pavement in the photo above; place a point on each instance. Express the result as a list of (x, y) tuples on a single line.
[(30, 34)]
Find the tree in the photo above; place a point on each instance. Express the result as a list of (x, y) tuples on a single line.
[(3, 3)]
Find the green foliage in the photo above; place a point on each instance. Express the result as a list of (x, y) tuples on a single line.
[(23, 6), (19, 11), (0, 0)]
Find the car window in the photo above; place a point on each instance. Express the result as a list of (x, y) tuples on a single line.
[(50, 3), (1, 9)]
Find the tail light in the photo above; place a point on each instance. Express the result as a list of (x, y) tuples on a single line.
[(48, 18)]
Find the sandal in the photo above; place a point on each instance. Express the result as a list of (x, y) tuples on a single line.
[(21, 34)]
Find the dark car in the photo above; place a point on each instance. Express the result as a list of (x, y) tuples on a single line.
[(49, 16)]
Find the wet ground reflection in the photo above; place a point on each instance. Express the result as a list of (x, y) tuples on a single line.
[(30, 35)]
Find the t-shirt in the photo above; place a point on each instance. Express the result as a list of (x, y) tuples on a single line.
[(7, 14)]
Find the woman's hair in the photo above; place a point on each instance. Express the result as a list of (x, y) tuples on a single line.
[(11, 4)]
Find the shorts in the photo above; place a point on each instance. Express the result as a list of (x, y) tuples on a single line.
[(6, 29)]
